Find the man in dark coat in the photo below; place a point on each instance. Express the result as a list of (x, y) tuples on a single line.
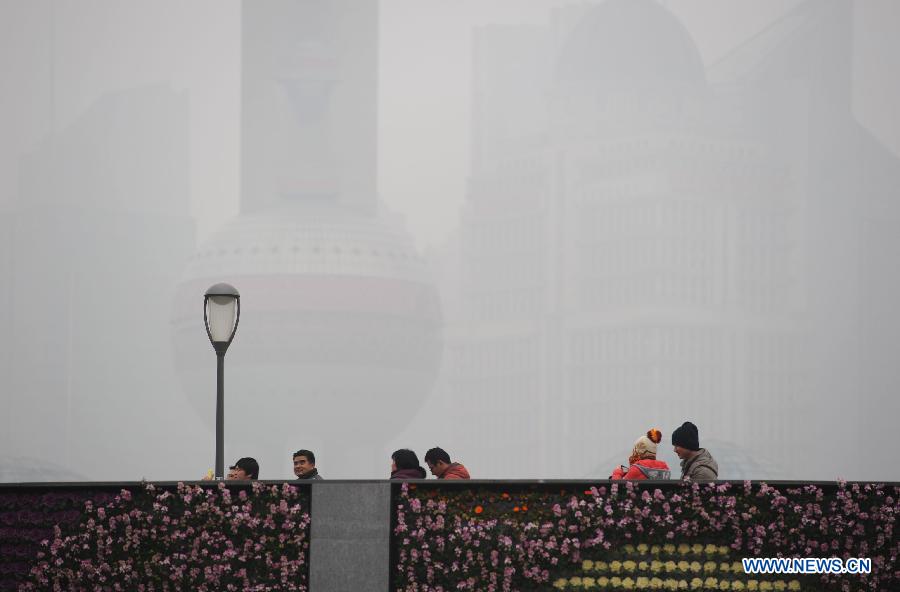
[(697, 464), (305, 465)]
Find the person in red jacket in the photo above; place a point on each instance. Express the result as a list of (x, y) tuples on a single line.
[(438, 462), (643, 463)]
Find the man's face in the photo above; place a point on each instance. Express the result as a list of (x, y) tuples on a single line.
[(237, 473), (437, 469), (302, 465), (682, 453)]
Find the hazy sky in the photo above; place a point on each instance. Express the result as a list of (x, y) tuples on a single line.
[(59, 57), (424, 94), (425, 87)]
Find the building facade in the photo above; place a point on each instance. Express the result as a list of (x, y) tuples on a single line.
[(639, 244)]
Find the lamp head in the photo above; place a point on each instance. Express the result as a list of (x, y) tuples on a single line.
[(221, 313)]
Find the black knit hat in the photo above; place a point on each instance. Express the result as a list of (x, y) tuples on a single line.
[(686, 436)]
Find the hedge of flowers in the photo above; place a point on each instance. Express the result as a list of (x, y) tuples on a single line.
[(188, 538), (638, 535), (27, 517), (672, 567)]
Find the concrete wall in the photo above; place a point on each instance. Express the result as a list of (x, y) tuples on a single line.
[(350, 538)]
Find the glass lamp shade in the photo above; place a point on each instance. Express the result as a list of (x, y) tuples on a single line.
[(221, 312)]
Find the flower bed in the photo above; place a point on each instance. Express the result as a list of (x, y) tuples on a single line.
[(638, 535), (672, 567), (186, 538), (28, 517)]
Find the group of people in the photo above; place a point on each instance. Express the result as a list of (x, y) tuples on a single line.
[(404, 465), (697, 463)]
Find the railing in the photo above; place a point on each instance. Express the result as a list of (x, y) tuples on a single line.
[(425, 535), (603, 535), (202, 535)]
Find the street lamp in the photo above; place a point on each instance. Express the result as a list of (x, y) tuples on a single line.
[(221, 313)]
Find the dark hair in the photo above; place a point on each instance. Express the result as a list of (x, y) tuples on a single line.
[(308, 454), (405, 459), (248, 465), (436, 455)]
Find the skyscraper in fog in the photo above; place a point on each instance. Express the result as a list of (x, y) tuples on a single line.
[(793, 83), (639, 241), (339, 330), (93, 200)]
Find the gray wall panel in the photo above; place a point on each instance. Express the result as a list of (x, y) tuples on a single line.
[(350, 548)]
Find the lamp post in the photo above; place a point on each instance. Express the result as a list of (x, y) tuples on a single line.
[(221, 313)]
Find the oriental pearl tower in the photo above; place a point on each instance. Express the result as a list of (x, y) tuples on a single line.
[(339, 337)]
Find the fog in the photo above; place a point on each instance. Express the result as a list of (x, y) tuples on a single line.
[(526, 231)]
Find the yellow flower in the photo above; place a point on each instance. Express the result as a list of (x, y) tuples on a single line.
[(574, 581), (587, 565), (654, 550), (683, 565), (737, 585), (723, 550), (669, 548), (628, 584), (737, 567), (656, 566), (710, 583), (711, 549), (725, 566), (696, 584), (642, 582), (780, 585), (671, 584), (656, 584), (600, 566), (793, 585), (560, 584), (752, 585), (695, 566), (765, 585), (629, 566), (629, 549), (642, 548), (697, 548), (670, 566), (684, 549), (602, 581), (588, 583), (682, 585), (643, 566), (615, 581), (615, 566), (709, 566), (724, 585)]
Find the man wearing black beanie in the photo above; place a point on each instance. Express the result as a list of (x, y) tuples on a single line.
[(697, 464)]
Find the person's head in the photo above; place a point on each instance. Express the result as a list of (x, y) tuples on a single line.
[(245, 468), (304, 462), (437, 460), (686, 440), (404, 459), (645, 446)]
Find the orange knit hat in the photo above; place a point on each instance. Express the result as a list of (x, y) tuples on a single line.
[(645, 446)]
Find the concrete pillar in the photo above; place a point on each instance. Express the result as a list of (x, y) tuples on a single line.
[(351, 530)]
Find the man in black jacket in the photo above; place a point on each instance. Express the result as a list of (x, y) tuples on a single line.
[(305, 465)]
